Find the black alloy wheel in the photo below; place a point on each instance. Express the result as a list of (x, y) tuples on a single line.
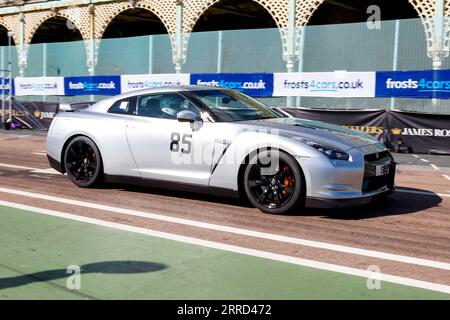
[(273, 182), (83, 162)]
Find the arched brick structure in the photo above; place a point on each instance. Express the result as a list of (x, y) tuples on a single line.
[(11, 24), (104, 12)]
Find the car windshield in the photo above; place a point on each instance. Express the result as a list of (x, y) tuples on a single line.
[(230, 106)]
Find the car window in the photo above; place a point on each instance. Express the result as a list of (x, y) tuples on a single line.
[(229, 106), (124, 106), (164, 106)]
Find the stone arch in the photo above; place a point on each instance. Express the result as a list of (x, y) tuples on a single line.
[(78, 16), (34, 20), (194, 9), (306, 8), (11, 23), (164, 10), (447, 26), (4, 36), (105, 13), (425, 10)]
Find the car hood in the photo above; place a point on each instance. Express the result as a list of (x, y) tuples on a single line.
[(321, 132)]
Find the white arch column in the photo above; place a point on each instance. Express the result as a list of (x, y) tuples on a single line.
[(179, 57)]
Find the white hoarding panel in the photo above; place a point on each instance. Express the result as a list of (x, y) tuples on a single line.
[(147, 81), (39, 86), (340, 84)]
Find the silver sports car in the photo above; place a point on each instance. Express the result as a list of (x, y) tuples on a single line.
[(219, 141)]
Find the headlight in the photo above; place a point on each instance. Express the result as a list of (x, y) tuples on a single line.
[(329, 152)]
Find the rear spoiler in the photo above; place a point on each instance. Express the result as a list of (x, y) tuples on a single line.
[(65, 107), (71, 107)]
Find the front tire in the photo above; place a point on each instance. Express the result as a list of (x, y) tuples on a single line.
[(83, 162), (273, 182)]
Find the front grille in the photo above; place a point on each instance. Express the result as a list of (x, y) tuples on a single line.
[(372, 182), (375, 157), (375, 183)]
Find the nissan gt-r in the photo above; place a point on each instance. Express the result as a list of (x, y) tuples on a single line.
[(219, 141)]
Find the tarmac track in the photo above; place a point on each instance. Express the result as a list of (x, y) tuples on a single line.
[(413, 223)]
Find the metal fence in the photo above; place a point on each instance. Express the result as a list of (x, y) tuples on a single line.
[(397, 45)]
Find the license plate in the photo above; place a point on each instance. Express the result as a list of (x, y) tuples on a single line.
[(382, 170)]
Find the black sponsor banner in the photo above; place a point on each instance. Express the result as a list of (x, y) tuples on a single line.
[(32, 115), (368, 121), (404, 132), (43, 112), (37, 115), (418, 132)]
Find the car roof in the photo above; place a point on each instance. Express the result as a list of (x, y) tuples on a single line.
[(104, 105)]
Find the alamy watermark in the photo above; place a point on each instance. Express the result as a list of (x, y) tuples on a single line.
[(73, 282), (184, 150), (374, 280), (374, 19)]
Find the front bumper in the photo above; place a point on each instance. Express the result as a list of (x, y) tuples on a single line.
[(349, 202), (352, 184)]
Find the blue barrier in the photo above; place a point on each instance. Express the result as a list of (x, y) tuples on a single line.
[(4, 87), (413, 84), (99, 85), (253, 84)]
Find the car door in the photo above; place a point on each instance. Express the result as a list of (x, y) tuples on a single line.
[(166, 149), (111, 136)]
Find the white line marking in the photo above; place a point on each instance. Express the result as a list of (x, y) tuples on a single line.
[(435, 167), (425, 193), (424, 160), (47, 171), (32, 170), (415, 156), (446, 177), (39, 153), (241, 250), (239, 231), (12, 166)]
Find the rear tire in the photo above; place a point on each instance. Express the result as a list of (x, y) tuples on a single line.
[(277, 188), (83, 162)]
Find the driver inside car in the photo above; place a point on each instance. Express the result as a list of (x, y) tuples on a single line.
[(171, 105)]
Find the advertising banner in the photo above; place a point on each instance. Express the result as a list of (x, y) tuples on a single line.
[(253, 84), (97, 85), (414, 84), (339, 84), (403, 132), (32, 115), (368, 121), (43, 112), (147, 81), (419, 132), (4, 86), (39, 86)]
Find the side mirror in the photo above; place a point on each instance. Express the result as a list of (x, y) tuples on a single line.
[(187, 116)]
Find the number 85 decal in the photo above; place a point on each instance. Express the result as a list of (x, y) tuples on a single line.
[(175, 143)]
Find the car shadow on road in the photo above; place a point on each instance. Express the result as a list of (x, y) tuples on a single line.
[(109, 267), (212, 198), (406, 201), (397, 204)]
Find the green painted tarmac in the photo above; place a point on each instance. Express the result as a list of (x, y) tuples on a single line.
[(36, 249)]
